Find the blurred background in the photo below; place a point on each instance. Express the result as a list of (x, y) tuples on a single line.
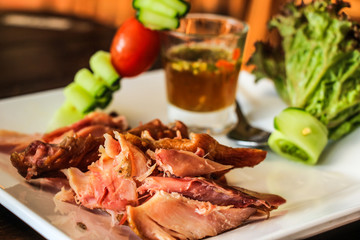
[(44, 42)]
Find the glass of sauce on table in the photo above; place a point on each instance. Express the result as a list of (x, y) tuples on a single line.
[(202, 61)]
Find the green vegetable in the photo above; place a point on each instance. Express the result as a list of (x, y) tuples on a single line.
[(161, 14), (104, 101), (303, 140), (65, 115), (90, 83), (316, 67), (79, 98), (154, 21), (100, 64), (158, 6), (88, 91)]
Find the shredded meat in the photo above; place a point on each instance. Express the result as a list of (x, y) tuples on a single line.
[(186, 164)]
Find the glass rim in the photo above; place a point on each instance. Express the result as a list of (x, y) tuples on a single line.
[(233, 21)]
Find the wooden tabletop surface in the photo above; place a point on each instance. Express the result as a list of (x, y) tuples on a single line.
[(35, 59)]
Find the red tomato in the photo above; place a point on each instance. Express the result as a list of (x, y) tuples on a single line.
[(134, 48)]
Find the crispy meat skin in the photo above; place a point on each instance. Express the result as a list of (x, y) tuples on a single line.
[(237, 157), (42, 159), (159, 130)]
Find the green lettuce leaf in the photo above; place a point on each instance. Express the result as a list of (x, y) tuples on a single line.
[(317, 65)]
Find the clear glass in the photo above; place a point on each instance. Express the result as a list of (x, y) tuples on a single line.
[(202, 61)]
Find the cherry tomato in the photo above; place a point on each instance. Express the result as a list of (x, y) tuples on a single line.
[(134, 48)]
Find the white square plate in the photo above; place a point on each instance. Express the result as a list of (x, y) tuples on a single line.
[(318, 197)]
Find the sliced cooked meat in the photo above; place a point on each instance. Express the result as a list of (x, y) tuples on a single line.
[(172, 216), (186, 164), (110, 182), (42, 159), (206, 190), (237, 157)]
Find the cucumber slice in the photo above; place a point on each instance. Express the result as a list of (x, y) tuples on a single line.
[(182, 7), (90, 83), (298, 136), (65, 115), (79, 98), (156, 21), (100, 64), (88, 91), (155, 6)]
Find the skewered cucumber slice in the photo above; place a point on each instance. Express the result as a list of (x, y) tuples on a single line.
[(161, 14), (93, 85), (156, 7), (100, 64), (79, 98), (65, 115)]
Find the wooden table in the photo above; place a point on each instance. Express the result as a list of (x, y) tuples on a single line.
[(33, 60)]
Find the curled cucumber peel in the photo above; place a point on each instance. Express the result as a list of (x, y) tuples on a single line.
[(298, 136)]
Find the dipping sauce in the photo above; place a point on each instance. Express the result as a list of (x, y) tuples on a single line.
[(201, 78)]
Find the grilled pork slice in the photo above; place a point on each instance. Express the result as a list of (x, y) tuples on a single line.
[(186, 164), (41, 159), (110, 182), (102, 187), (237, 157), (206, 190), (172, 216)]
